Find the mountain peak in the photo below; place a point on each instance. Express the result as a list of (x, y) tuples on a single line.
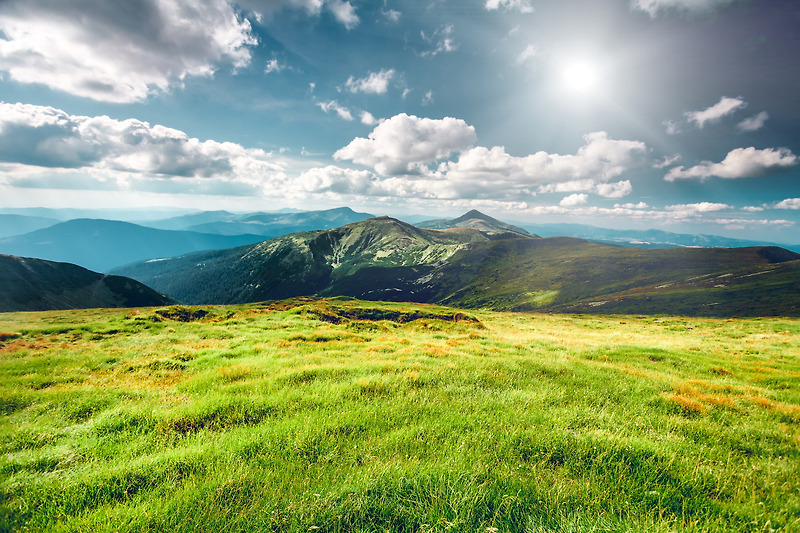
[(474, 214), (476, 219)]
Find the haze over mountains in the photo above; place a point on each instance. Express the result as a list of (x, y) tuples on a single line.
[(35, 285), (101, 245), (386, 259)]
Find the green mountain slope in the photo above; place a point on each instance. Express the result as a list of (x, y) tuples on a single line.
[(385, 259), (36, 285), (301, 263)]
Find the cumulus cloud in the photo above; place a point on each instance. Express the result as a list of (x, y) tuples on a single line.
[(400, 144), (607, 190), (368, 119), (441, 40), (614, 190), (723, 108), (339, 180), (334, 106), (375, 83), (523, 6), (754, 123), (574, 200), (739, 163), (109, 50), (37, 136), (600, 158), (789, 203), (655, 7)]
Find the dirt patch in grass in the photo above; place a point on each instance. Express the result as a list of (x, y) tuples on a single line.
[(182, 314)]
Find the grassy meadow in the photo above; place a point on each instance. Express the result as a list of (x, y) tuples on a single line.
[(343, 415)]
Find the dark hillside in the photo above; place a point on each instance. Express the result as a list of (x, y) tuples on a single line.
[(35, 285)]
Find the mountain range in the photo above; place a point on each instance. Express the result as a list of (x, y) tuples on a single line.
[(263, 224), (494, 267), (36, 285), (101, 245)]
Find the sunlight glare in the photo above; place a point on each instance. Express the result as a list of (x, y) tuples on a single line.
[(579, 76)]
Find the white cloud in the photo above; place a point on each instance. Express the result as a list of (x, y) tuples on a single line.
[(368, 119), (523, 6), (640, 205), (739, 163), (401, 143), (600, 158), (701, 207), (724, 107), (672, 127), (344, 13), (427, 99), (574, 200), (530, 52), (339, 180), (666, 161), (273, 66), (654, 7), (334, 106), (391, 15), (614, 190), (442, 41), (375, 83), (754, 123), (789, 203), (607, 190), (33, 138), (107, 51)]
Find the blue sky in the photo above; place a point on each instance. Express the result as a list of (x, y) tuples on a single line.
[(680, 115)]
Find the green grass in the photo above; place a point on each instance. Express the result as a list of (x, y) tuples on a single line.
[(342, 415)]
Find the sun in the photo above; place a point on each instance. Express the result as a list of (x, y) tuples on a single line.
[(580, 77)]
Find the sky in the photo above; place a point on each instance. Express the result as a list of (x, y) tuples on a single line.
[(681, 115)]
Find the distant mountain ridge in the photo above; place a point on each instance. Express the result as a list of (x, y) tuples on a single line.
[(20, 224), (385, 259), (28, 284), (101, 245), (647, 238), (263, 224)]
